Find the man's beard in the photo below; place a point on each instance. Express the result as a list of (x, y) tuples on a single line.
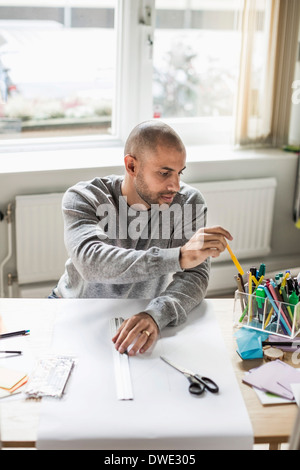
[(146, 195)]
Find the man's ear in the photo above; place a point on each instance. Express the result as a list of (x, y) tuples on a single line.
[(130, 164)]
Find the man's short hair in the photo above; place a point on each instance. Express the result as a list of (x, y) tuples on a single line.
[(151, 134)]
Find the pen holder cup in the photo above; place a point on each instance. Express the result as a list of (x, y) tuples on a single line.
[(274, 317)]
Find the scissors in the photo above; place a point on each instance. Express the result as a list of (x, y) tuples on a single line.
[(197, 383)]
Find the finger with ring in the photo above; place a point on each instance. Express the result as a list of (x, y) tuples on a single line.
[(147, 332)]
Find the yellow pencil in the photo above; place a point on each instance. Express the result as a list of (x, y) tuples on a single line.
[(269, 317), (234, 259), (250, 295)]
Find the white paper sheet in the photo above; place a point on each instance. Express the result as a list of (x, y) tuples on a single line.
[(296, 391), (163, 415)]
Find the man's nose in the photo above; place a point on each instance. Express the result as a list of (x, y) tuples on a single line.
[(174, 184)]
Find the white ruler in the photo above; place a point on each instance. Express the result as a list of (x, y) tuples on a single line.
[(121, 365)]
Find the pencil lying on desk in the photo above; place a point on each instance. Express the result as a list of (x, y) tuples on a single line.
[(11, 352), (281, 343), (234, 259), (15, 333)]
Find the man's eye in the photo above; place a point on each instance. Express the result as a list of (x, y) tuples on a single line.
[(164, 173)]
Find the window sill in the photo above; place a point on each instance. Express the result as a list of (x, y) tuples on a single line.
[(112, 157)]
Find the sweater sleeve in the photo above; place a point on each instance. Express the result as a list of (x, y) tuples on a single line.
[(99, 261), (182, 295)]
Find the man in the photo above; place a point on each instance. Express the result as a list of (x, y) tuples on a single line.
[(125, 239)]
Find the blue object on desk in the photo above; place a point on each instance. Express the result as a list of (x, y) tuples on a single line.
[(249, 343)]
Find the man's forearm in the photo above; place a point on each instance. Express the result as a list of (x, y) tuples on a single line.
[(183, 294)]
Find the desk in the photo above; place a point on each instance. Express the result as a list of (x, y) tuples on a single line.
[(272, 425)]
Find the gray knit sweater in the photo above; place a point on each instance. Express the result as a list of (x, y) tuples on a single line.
[(116, 251)]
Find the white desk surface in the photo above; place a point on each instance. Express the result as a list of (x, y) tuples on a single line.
[(20, 419)]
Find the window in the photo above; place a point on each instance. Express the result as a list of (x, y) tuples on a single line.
[(196, 58), (84, 72), (57, 67), (196, 64)]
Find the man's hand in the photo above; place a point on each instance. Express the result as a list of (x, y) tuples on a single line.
[(207, 241), (141, 331)]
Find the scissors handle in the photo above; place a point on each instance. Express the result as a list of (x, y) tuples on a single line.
[(196, 386), (208, 383)]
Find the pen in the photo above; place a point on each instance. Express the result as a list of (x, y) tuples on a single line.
[(241, 280), (262, 270), (15, 333), (281, 319), (241, 290), (253, 271), (284, 319), (269, 317), (250, 294), (10, 352), (286, 300), (246, 308), (281, 343)]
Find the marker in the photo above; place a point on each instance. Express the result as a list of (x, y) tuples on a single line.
[(235, 261), (262, 270), (253, 271), (15, 333), (293, 300), (277, 280), (284, 279), (260, 299), (290, 285), (296, 286)]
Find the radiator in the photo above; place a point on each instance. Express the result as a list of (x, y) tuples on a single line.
[(246, 209), (41, 254)]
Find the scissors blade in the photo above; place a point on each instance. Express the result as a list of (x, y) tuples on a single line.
[(179, 368)]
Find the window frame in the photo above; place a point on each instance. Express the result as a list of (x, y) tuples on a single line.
[(134, 26)]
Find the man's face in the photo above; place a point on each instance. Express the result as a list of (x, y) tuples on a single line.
[(158, 176)]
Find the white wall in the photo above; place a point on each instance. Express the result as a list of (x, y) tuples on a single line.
[(17, 176)]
